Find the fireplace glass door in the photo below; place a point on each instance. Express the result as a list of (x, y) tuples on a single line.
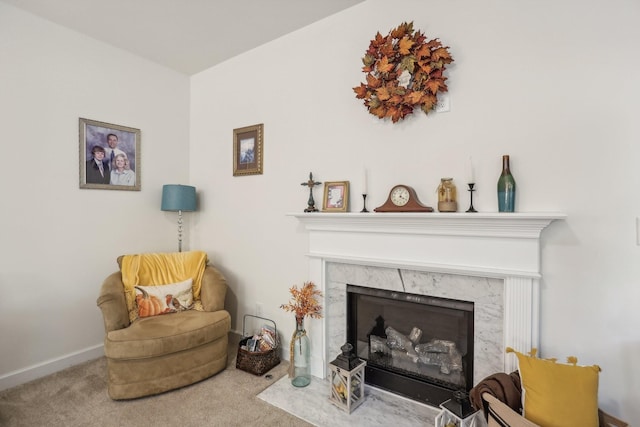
[(417, 346)]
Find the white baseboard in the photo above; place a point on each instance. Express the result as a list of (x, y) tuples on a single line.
[(21, 376)]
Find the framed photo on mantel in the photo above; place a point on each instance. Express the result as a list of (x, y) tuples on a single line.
[(109, 156), (247, 150), (336, 196)]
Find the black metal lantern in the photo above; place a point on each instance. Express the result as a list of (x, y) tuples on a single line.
[(347, 379)]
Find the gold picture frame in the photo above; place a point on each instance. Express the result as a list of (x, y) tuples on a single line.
[(336, 196), (247, 150), (110, 156)]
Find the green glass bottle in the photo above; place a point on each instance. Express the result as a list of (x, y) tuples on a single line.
[(506, 188)]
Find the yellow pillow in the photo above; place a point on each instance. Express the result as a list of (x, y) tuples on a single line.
[(558, 395)]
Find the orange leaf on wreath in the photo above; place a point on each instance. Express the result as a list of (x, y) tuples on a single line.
[(428, 102), (437, 74), (441, 53), (413, 98), (373, 82), (387, 49), (401, 30), (379, 111), (419, 38), (361, 91), (395, 99), (394, 113), (378, 41), (423, 52), (434, 85), (405, 45), (432, 44), (426, 66), (384, 66), (383, 93)]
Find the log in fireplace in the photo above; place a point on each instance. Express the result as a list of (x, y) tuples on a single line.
[(418, 346)]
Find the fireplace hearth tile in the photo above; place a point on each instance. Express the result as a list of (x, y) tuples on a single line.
[(380, 408)]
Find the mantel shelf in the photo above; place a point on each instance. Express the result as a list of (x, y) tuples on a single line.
[(497, 224)]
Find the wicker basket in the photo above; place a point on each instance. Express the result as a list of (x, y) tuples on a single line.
[(256, 362)]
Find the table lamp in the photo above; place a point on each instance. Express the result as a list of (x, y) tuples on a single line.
[(179, 198)]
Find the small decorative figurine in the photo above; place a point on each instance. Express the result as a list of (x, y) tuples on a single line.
[(311, 204)]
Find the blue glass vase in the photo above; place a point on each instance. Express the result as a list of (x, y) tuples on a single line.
[(506, 188)]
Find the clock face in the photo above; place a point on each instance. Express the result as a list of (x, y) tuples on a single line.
[(400, 196)]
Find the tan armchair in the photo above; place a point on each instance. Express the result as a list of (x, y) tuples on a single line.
[(155, 354)]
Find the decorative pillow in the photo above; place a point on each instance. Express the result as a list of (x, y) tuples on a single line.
[(558, 395), (162, 299), (152, 269)]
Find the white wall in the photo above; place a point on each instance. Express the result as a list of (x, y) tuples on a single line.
[(58, 242), (553, 84)]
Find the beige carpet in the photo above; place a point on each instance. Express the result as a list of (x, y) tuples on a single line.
[(78, 397)]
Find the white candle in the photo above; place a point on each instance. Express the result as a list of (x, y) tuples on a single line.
[(364, 181), (471, 175)]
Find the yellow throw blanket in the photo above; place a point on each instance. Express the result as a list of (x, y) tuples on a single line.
[(161, 269)]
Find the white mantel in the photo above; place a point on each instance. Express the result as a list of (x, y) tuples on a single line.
[(496, 245)]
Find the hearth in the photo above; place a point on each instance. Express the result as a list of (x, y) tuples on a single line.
[(418, 346)]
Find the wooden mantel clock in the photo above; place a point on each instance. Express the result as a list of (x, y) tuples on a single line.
[(403, 198)]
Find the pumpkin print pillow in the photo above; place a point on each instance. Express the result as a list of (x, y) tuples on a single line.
[(163, 299)]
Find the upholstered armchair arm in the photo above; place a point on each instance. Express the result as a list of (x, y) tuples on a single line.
[(213, 290), (500, 414), (112, 303)]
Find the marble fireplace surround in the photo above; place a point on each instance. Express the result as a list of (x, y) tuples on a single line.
[(492, 259)]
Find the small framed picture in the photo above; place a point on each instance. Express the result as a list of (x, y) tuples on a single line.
[(247, 150), (336, 196), (109, 156)]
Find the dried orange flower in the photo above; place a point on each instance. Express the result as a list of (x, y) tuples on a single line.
[(304, 301)]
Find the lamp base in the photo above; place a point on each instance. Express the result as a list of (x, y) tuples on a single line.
[(179, 231)]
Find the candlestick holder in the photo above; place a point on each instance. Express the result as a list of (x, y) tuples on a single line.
[(471, 190), (364, 204)]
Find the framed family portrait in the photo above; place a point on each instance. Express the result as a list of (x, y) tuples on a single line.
[(247, 150), (109, 156), (336, 196)]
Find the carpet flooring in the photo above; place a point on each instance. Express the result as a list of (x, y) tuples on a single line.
[(77, 396)]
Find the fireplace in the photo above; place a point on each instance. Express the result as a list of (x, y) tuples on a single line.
[(489, 259), (418, 346)]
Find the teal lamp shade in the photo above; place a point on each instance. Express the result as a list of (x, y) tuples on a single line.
[(177, 197)]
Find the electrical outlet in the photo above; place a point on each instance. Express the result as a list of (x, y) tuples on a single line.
[(258, 309), (444, 103)]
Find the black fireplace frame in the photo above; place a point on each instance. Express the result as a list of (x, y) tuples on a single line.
[(424, 391)]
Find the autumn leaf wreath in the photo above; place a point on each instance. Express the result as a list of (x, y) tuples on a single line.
[(403, 71)]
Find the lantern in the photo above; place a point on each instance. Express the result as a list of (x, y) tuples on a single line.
[(347, 379), (458, 412)]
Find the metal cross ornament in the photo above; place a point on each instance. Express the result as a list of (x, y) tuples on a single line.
[(311, 204)]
